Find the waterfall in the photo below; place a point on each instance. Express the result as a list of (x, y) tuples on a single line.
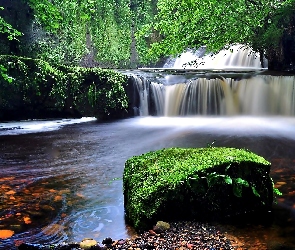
[(141, 91), (227, 83), (236, 56), (258, 95)]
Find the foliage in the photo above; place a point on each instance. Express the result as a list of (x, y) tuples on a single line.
[(12, 34), (38, 87), (178, 182), (97, 32), (215, 24), (110, 28), (47, 14), (6, 28), (33, 81), (4, 75), (102, 89), (77, 30), (85, 32), (59, 32), (277, 22), (143, 13)]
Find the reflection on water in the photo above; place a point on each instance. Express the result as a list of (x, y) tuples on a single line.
[(58, 185)]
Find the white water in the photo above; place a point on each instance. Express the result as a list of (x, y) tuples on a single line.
[(34, 126), (259, 95), (237, 56), (211, 91)]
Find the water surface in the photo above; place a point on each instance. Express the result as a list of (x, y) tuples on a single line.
[(65, 184)]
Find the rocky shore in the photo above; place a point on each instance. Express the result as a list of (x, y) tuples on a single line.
[(177, 236)]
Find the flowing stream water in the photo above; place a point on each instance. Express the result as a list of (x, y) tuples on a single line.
[(62, 181)]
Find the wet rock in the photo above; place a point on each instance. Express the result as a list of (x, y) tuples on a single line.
[(183, 235), (25, 246), (213, 183), (35, 213), (107, 241), (88, 243), (152, 232), (161, 226), (6, 233)]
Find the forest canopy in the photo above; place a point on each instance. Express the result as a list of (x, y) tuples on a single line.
[(124, 33), (217, 24)]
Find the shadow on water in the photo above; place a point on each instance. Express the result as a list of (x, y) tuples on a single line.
[(58, 186)]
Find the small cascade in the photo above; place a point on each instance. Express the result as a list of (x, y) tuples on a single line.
[(140, 95), (258, 95), (204, 90), (237, 56), (184, 58)]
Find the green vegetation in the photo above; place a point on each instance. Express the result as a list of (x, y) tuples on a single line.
[(11, 34), (7, 29), (35, 88), (112, 33), (85, 32), (179, 183), (261, 24), (123, 34)]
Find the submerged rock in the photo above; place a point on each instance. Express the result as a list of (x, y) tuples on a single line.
[(195, 183)]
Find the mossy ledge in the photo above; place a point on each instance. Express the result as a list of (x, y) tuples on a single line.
[(34, 89), (193, 183)]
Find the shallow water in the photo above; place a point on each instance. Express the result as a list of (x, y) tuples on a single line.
[(64, 185)]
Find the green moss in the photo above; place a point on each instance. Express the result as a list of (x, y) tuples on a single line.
[(33, 86), (178, 182)]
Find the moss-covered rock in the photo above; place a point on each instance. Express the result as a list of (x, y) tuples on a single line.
[(32, 89), (178, 183)]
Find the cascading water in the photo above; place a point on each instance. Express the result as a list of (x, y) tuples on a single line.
[(231, 91), (259, 95), (236, 56)]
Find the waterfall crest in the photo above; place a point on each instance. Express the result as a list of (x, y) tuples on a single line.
[(236, 56), (258, 95)]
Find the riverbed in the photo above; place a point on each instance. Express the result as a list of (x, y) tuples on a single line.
[(65, 184)]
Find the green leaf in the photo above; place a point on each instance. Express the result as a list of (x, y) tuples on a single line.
[(228, 180), (241, 182), (277, 191), (213, 179), (255, 191)]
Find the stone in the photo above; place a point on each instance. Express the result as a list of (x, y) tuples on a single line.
[(5, 233), (107, 241), (161, 226), (88, 243), (195, 183)]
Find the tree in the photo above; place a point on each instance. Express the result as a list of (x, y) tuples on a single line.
[(216, 24), (66, 32), (11, 34), (7, 29), (77, 28)]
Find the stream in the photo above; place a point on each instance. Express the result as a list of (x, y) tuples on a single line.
[(63, 182)]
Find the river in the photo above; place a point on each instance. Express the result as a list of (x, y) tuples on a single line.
[(64, 184), (62, 180)]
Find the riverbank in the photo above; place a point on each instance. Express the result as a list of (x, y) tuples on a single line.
[(180, 235), (184, 235)]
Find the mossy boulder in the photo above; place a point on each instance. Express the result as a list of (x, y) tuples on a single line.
[(34, 89), (191, 183)]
